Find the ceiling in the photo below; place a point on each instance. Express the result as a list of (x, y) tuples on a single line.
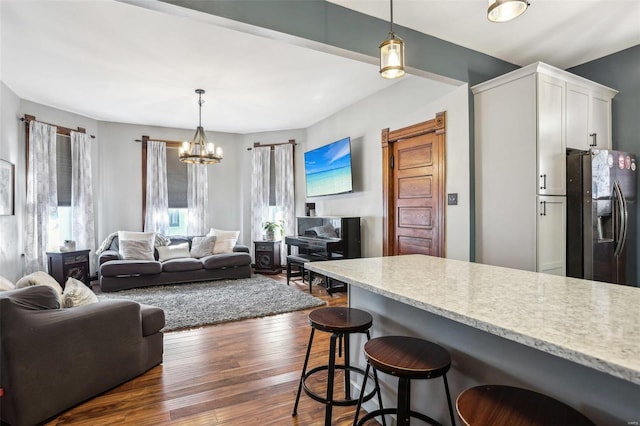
[(117, 61)]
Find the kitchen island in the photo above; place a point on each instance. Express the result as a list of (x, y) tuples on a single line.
[(575, 340)]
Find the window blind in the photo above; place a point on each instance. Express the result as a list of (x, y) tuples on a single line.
[(63, 169), (176, 180)]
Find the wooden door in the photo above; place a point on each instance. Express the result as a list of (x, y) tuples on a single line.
[(414, 188)]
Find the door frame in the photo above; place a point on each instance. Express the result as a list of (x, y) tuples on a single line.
[(436, 125)]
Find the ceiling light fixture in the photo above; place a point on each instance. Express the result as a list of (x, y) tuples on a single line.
[(392, 54), (199, 150), (506, 10)]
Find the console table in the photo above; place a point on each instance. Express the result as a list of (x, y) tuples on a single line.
[(64, 264)]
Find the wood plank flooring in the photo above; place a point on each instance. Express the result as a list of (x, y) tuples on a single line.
[(238, 373)]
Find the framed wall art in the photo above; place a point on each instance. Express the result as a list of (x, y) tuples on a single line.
[(7, 188)]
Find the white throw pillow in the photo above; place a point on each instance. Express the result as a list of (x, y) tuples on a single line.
[(77, 294), (136, 250), (224, 246), (202, 246), (40, 278), (173, 252), (5, 284), (225, 240)]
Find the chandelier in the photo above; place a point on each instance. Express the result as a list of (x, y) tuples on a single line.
[(199, 150), (392, 54)]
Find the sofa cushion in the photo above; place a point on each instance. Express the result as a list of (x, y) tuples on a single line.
[(114, 268), (173, 251), (136, 245), (76, 293), (34, 298), (217, 261), (152, 319), (182, 264)]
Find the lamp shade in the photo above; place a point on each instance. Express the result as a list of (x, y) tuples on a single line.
[(506, 10), (392, 57)]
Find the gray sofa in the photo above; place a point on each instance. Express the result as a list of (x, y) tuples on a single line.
[(118, 274), (53, 359)]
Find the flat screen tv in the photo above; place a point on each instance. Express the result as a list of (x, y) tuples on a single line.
[(328, 169)]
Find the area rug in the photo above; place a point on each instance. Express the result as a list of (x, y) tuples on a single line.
[(212, 302)]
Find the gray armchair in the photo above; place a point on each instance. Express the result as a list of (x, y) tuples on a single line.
[(52, 359)]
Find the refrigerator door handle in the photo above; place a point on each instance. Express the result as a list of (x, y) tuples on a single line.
[(622, 211)]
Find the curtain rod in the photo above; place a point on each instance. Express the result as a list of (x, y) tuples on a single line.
[(272, 145), (65, 131), (147, 139)]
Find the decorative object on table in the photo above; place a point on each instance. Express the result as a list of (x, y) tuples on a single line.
[(271, 227), (199, 150), (69, 245), (506, 10), (392, 53), (213, 302), (69, 264), (267, 257), (7, 190)]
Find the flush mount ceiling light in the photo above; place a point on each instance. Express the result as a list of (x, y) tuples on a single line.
[(506, 10), (199, 150), (392, 54)]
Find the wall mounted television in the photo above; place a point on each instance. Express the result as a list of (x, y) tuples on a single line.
[(327, 169)]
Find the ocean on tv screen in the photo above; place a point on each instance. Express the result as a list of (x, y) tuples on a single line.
[(328, 169)]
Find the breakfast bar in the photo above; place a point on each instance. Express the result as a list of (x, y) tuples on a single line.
[(577, 341)]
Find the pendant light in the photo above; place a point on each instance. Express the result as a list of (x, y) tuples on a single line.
[(199, 150), (392, 54), (506, 10)]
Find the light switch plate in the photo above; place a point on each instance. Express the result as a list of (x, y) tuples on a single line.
[(452, 199)]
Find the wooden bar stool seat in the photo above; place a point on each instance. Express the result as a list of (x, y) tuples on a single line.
[(341, 322), (499, 405), (407, 358)]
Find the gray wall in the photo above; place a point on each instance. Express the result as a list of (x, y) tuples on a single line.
[(621, 71)]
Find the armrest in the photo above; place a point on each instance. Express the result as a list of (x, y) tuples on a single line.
[(108, 255), (239, 248)]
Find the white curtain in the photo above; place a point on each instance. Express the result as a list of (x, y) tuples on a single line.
[(41, 218), (285, 190), (82, 227), (157, 204), (197, 199), (259, 192)]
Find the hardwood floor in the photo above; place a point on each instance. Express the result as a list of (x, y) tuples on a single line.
[(238, 373)]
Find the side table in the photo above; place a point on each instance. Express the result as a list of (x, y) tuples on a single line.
[(267, 255), (64, 264)]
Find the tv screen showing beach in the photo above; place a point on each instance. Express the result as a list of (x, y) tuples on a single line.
[(328, 169)]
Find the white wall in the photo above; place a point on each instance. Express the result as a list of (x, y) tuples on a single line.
[(410, 101)]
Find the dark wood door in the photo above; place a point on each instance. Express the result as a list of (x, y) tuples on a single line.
[(414, 182)]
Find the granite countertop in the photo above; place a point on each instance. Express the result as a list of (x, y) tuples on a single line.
[(591, 323)]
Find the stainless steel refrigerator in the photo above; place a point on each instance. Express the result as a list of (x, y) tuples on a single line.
[(601, 216)]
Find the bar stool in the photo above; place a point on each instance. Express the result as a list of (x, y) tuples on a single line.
[(341, 322), (499, 405), (407, 358)]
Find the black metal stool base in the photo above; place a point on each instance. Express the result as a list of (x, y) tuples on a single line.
[(338, 402), (386, 411)]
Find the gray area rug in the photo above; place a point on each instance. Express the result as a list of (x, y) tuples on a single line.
[(212, 302)]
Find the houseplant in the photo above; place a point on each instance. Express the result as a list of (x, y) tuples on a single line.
[(271, 227)]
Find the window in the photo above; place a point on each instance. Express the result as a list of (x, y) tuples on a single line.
[(63, 176), (176, 193)]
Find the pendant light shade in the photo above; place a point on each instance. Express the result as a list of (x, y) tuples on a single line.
[(506, 10), (199, 150), (392, 54)]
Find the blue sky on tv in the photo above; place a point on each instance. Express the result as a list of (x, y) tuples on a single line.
[(332, 156)]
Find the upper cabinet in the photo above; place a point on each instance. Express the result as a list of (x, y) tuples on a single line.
[(551, 146), (588, 116)]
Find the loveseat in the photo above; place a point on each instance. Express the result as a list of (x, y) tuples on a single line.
[(118, 273), (53, 359)]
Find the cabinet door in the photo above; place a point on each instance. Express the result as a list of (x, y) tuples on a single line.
[(551, 136), (577, 113), (551, 235), (600, 121)]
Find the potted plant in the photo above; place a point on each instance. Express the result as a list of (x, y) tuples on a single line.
[(271, 227)]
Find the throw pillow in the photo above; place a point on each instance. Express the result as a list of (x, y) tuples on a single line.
[(225, 240), (173, 252), (135, 236), (77, 294), (136, 250), (5, 284), (40, 278), (224, 246), (202, 246)]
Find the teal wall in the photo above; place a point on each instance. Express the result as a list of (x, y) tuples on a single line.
[(621, 71)]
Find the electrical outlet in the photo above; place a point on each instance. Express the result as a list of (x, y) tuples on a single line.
[(452, 199)]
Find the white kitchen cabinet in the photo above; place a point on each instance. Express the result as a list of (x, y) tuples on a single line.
[(523, 121), (588, 115), (551, 234)]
